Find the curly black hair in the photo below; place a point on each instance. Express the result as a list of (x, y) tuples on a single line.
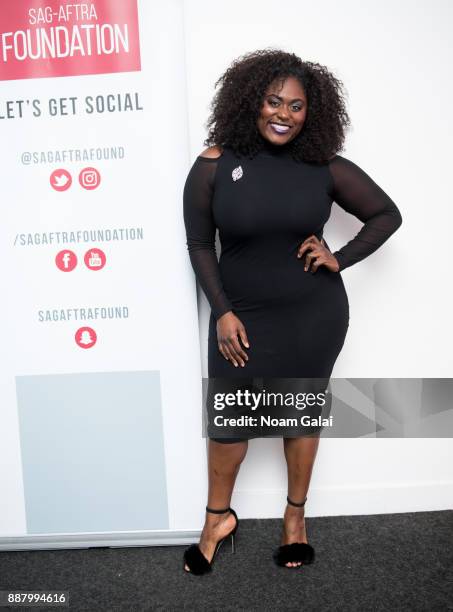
[(236, 106)]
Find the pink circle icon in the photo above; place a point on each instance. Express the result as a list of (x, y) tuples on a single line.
[(95, 259), (66, 260), (60, 180), (85, 337), (89, 178)]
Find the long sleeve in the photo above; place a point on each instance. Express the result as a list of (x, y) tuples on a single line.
[(359, 195), (200, 232)]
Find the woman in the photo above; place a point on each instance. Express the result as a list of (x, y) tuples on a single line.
[(279, 306)]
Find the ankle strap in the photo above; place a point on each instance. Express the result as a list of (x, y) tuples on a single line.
[(294, 503), (217, 511)]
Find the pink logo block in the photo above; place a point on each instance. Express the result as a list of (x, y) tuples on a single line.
[(55, 38)]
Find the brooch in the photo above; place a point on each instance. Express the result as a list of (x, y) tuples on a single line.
[(237, 173)]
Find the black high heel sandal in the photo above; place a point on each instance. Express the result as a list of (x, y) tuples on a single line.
[(195, 559), (298, 552)]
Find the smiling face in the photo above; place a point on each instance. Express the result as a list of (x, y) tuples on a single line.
[(283, 112)]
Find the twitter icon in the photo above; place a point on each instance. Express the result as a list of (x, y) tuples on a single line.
[(60, 179)]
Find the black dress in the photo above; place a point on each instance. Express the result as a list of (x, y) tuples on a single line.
[(296, 321)]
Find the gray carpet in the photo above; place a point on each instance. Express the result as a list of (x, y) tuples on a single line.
[(380, 562)]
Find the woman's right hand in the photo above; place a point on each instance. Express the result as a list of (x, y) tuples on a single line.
[(229, 329)]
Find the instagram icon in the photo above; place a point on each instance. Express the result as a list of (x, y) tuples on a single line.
[(89, 178)]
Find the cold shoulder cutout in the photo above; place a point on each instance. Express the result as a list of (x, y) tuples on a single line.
[(214, 152)]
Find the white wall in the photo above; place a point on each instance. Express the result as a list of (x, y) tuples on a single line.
[(394, 59)]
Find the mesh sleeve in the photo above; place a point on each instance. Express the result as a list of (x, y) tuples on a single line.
[(200, 232), (358, 194)]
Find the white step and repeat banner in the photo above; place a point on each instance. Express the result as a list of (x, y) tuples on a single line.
[(100, 377)]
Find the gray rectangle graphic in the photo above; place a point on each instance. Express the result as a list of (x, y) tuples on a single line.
[(92, 452)]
